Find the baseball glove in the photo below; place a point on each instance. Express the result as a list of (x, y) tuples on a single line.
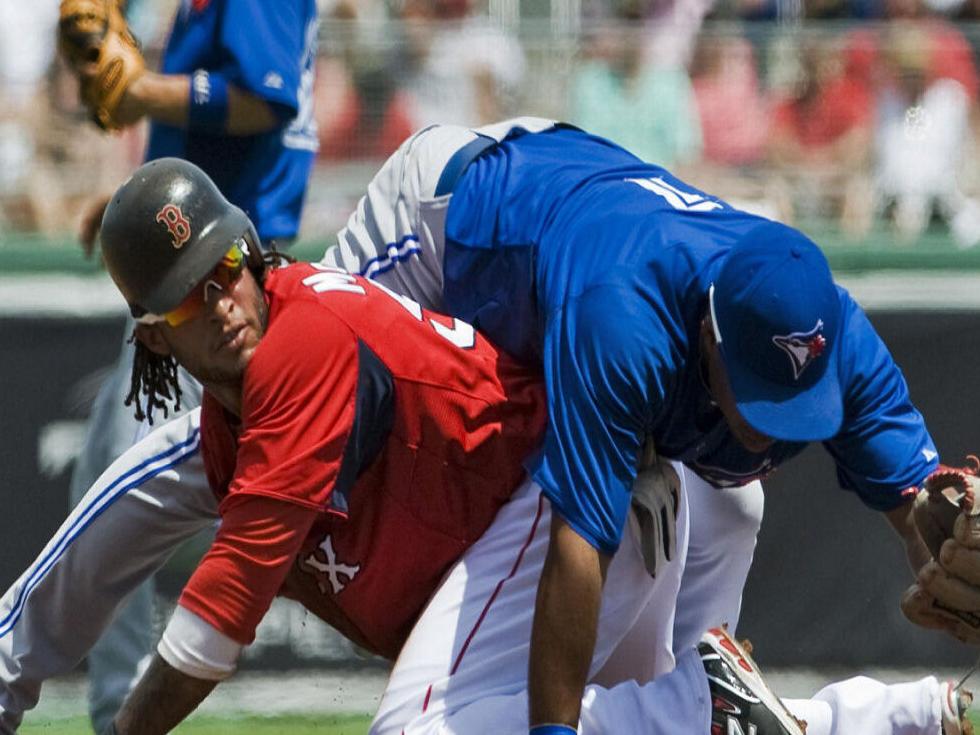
[(946, 595), (97, 45)]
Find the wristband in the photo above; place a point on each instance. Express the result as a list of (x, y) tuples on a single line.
[(552, 729), (208, 109)]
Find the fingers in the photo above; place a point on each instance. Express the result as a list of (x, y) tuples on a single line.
[(945, 596), (966, 531), (648, 455), (917, 606), (923, 609), (961, 561), (671, 477), (950, 590)]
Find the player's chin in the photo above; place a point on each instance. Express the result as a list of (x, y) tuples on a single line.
[(250, 343), (239, 359), (244, 358), (227, 371), (229, 365)]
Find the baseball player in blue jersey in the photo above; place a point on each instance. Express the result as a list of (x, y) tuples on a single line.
[(234, 94), (657, 312)]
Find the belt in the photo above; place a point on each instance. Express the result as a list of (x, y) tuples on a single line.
[(459, 161)]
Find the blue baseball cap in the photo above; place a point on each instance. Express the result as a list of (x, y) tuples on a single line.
[(776, 315)]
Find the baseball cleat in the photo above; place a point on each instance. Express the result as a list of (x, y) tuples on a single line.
[(954, 703), (741, 701)]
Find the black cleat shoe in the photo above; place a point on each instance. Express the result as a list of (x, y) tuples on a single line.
[(741, 701)]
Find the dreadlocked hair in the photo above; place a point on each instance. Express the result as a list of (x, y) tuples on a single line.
[(153, 376), (272, 258)]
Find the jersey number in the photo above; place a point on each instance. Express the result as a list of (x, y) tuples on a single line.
[(677, 198), (460, 333)]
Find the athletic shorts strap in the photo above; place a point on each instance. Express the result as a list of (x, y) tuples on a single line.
[(459, 161)]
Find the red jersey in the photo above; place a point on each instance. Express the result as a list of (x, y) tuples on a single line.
[(376, 443)]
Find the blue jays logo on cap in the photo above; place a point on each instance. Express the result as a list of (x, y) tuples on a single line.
[(777, 318), (802, 347)]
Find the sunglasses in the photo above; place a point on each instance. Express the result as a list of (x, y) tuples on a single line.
[(226, 272)]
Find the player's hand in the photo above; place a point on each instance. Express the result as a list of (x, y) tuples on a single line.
[(88, 231), (946, 595), (656, 497), (99, 48)]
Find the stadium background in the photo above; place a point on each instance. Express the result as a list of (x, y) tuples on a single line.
[(855, 120)]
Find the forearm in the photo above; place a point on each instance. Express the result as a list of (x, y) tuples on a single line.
[(902, 520), (564, 631), (221, 605), (165, 98), (161, 700)]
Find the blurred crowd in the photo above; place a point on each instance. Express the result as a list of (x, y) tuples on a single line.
[(857, 113)]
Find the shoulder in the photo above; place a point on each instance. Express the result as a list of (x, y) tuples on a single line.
[(866, 364), (308, 280), (314, 297), (305, 334), (857, 333), (319, 313), (337, 296)]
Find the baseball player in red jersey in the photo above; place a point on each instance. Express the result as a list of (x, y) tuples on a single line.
[(328, 398), (356, 405), (358, 446)]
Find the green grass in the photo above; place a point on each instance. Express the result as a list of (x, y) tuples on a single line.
[(210, 725), (291, 724)]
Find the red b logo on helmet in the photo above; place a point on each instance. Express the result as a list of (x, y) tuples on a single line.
[(177, 224)]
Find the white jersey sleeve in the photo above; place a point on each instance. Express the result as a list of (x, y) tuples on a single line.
[(195, 647), (148, 501), (396, 235)]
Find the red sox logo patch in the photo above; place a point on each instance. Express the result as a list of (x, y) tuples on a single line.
[(323, 564), (802, 347), (177, 224)]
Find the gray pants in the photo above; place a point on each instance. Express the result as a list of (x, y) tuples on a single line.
[(115, 662)]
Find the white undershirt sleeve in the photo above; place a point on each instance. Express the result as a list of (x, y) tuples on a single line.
[(195, 647)]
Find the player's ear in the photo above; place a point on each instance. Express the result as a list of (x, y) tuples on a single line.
[(152, 338)]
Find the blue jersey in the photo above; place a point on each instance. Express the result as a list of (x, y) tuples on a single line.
[(267, 49), (567, 249)]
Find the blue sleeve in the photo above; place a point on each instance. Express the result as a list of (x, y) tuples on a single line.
[(883, 447), (266, 44), (602, 380)]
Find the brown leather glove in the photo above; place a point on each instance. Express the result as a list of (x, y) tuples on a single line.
[(97, 45), (946, 595)]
